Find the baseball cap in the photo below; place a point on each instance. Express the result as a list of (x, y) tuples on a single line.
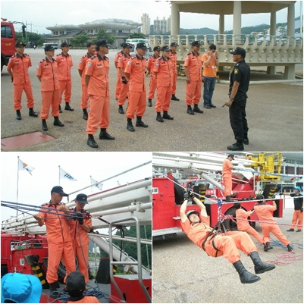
[(231, 155), (20, 288), (141, 45), (58, 189), (297, 188), (64, 44), (165, 48), (238, 51), (102, 42), (192, 211), (75, 281), (48, 48), (20, 43), (173, 44), (196, 43), (81, 198), (126, 45), (156, 48)]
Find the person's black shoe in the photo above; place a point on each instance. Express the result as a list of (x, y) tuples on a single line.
[(150, 103), (236, 147), (60, 111), (167, 116), (289, 230), (44, 125), (207, 107), (121, 110), (228, 199), (189, 110), (57, 122), (246, 141), (173, 97), (212, 106), (32, 113), (91, 141), (289, 248), (130, 125), (158, 117), (197, 109), (68, 107), (105, 135), (245, 276), (259, 265), (267, 246), (85, 114), (140, 123), (18, 115), (299, 230)]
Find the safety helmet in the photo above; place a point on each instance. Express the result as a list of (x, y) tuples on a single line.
[(297, 188), (190, 212)]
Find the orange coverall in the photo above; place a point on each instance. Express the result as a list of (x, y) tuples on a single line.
[(153, 80), (48, 72), (59, 243), (99, 93), (173, 57), (124, 88), (21, 79), (227, 177), (194, 88), (227, 244), (81, 67), (118, 80), (243, 225), (163, 69), (86, 299), (65, 63), (81, 243), (136, 67), (264, 213)]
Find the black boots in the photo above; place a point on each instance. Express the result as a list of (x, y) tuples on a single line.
[(228, 199), (105, 135), (259, 265), (238, 146), (246, 141), (54, 293), (140, 123), (197, 109), (189, 110), (173, 97), (91, 141), (267, 246), (44, 125), (121, 110), (245, 276), (85, 114), (57, 122), (18, 115), (130, 125), (68, 107), (150, 103), (32, 113), (167, 116), (158, 117), (289, 248)]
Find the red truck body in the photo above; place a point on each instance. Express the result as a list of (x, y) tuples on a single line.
[(8, 41)]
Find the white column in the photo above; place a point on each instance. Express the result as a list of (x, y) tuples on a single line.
[(175, 21), (273, 21), (221, 24), (237, 17), (291, 20)]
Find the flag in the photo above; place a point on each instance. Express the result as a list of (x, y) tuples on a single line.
[(98, 185), (64, 174), (25, 166)]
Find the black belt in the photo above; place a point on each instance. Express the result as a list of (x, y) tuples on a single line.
[(213, 235)]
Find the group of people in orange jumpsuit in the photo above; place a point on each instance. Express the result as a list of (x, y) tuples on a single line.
[(67, 236)]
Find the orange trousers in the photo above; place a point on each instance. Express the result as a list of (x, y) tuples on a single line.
[(254, 233), (193, 92), (84, 97), (56, 252), (228, 244), (163, 98), (49, 98), (66, 88), (174, 79), (297, 219), (118, 84), (137, 103), (82, 254), (228, 185), (152, 87), (124, 90), (18, 89), (99, 114), (275, 229)]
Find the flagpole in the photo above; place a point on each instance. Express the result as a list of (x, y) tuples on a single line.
[(59, 175), (17, 182), (90, 183)]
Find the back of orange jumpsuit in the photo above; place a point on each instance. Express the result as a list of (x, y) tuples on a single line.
[(65, 64), (81, 242), (48, 72), (153, 80), (98, 90), (173, 58), (118, 79), (59, 242), (81, 67), (227, 177), (85, 299), (21, 79), (264, 213), (226, 244), (243, 225), (124, 87), (136, 67), (194, 88)]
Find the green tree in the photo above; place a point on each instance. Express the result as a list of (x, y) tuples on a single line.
[(102, 34), (137, 35), (80, 40), (31, 38)]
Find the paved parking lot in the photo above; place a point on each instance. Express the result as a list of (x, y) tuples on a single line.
[(274, 115)]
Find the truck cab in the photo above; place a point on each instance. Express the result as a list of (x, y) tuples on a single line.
[(8, 41)]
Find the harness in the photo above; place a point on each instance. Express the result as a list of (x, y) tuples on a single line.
[(213, 235)]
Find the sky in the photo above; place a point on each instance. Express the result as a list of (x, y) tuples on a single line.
[(35, 189), (38, 16)]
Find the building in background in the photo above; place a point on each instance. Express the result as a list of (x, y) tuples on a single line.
[(162, 26), (145, 20)]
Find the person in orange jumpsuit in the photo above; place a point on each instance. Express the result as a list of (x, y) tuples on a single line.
[(81, 70), (59, 240), (297, 218), (135, 71), (153, 80), (215, 244), (118, 79), (193, 69), (97, 80), (65, 63), (243, 225), (265, 214), (47, 73), (79, 229), (173, 57), (76, 285), (162, 70), (17, 68), (124, 86), (227, 176)]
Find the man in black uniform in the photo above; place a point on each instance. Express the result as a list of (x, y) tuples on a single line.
[(297, 219), (239, 84)]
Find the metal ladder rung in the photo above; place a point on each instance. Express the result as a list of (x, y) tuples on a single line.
[(123, 263)]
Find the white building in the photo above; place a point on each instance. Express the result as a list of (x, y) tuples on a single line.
[(145, 20)]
